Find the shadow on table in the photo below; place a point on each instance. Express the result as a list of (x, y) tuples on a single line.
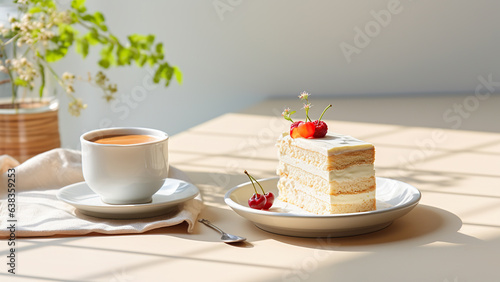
[(423, 225), (207, 234)]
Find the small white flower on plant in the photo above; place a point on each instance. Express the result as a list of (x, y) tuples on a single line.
[(307, 106), (70, 89), (25, 69), (15, 26), (26, 17), (76, 106), (68, 76), (38, 25)]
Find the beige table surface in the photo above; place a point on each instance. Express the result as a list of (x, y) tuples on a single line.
[(452, 235)]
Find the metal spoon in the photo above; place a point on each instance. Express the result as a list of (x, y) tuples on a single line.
[(226, 238)]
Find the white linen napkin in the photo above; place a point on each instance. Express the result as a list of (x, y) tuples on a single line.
[(38, 212)]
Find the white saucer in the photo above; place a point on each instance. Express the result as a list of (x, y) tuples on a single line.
[(170, 195), (394, 199)]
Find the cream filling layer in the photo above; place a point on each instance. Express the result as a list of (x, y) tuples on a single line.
[(330, 199), (331, 144), (350, 173)]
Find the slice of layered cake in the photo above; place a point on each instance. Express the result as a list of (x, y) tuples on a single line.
[(324, 173), (329, 175)]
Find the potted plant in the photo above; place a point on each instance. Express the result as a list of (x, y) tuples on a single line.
[(40, 34)]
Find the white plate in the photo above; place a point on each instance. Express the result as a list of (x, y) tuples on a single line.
[(170, 195), (394, 199)]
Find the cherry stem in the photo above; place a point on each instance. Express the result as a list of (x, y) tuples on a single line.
[(255, 189), (252, 179), (263, 192), (324, 111), (307, 111), (307, 114)]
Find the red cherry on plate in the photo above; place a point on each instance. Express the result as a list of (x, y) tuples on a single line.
[(269, 200), (257, 201)]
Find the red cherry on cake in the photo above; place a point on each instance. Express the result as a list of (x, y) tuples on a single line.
[(295, 133), (257, 201), (307, 129), (320, 129), (294, 125)]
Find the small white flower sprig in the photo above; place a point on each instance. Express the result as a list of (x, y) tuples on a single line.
[(287, 113), (304, 96), (43, 34)]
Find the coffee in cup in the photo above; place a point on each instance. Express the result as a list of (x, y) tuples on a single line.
[(125, 165), (125, 139)]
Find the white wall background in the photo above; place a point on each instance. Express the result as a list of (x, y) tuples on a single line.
[(234, 53)]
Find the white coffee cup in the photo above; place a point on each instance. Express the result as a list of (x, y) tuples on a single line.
[(125, 174)]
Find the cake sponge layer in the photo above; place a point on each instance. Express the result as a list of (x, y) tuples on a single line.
[(292, 192), (328, 162), (354, 179)]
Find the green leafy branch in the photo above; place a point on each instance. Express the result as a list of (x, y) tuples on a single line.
[(48, 33), (141, 49)]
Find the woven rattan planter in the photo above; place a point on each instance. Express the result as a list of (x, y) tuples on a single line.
[(29, 129)]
